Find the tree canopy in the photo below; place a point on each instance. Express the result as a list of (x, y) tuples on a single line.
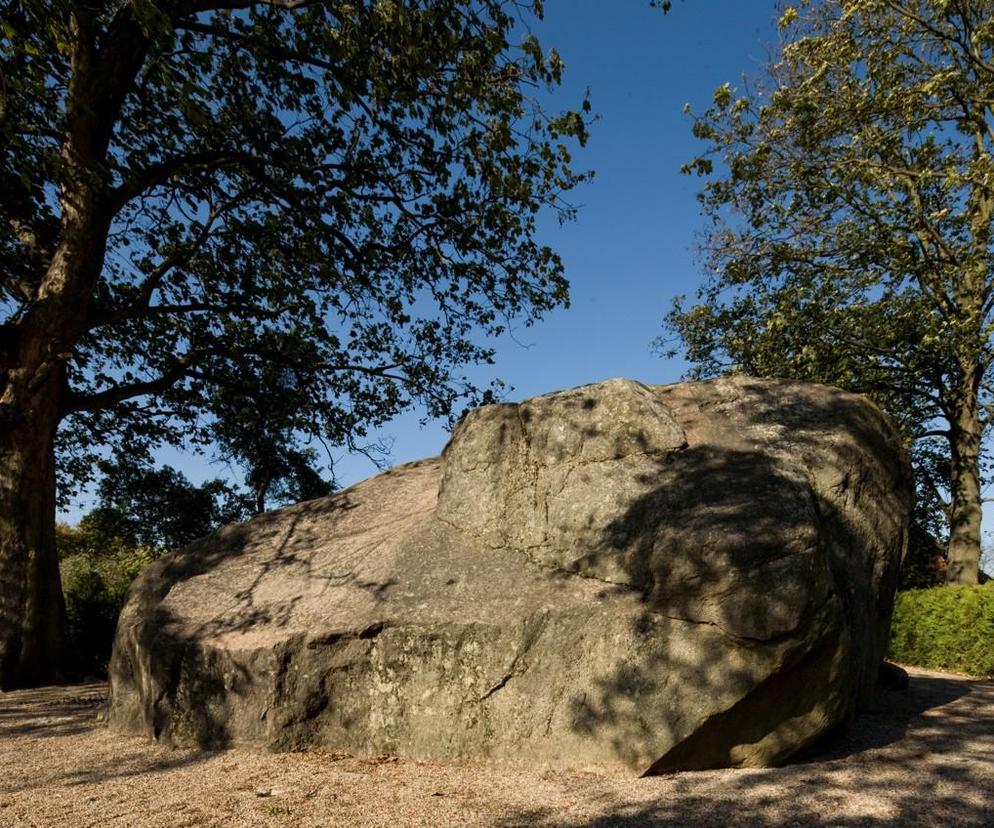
[(158, 508), (849, 192), (299, 215), (328, 196)]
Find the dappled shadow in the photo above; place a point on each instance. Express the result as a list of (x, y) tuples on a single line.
[(891, 715), (73, 711), (926, 758), (96, 774), (169, 678), (51, 711), (765, 557)]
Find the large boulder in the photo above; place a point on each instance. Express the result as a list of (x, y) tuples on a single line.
[(618, 575)]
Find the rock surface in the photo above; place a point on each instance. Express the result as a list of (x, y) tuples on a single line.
[(615, 576)]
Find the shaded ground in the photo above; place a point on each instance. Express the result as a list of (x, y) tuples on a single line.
[(926, 758)]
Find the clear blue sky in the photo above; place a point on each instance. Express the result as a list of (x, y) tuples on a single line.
[(630, 249)]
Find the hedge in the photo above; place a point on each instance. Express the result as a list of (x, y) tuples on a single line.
[(945, 628)]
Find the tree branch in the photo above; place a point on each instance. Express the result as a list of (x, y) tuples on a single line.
[(141, 181), (119, 393), (186, 366), (174, 259)]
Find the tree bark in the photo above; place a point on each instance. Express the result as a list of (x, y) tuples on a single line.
[(32, 607), (34, 350), (32, 382), (963, 560)]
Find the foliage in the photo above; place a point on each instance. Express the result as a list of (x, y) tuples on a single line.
[(159, 508), (948, 628), (259, 435), (141, 512), (97, 569), (325, 205), (850, 194), (924, 564)]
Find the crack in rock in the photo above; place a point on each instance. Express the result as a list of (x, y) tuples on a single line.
[(532, 632)]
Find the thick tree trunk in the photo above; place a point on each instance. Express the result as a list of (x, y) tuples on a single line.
[(32, 383), (963, 562), (34, 348), (32, 608)]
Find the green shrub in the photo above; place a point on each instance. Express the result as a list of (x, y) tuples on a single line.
[(945, 628), (96, 573)]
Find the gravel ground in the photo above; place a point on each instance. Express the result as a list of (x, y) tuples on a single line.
[(926, 758)]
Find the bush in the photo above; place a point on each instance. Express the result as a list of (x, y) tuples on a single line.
[(96, 573), (946, 628)]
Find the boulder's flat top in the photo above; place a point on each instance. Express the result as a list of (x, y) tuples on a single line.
[(330, 567), (926, 759)]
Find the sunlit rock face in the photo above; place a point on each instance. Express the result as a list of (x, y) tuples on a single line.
[(618, 576)]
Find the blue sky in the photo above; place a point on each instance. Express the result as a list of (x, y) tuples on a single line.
[(630, 250)]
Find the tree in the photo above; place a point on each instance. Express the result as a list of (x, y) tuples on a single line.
[(259, 429), (849, 239), (97, 567), (158, 508), (198, 196)]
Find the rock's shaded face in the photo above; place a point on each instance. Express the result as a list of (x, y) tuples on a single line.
[(656, 578)]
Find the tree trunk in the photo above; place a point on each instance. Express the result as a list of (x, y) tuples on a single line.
[(963, 561), (32, 380), (34, 348), (32, 607)]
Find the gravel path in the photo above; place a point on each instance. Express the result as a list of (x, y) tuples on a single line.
[(925, 759)]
